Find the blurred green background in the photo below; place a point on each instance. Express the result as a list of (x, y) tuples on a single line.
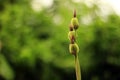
[(34, 42)]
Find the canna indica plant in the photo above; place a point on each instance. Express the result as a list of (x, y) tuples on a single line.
[(73, 47)]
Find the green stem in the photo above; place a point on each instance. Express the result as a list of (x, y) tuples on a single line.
[(77, 68)]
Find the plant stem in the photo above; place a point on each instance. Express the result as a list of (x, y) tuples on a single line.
[(77, 68)]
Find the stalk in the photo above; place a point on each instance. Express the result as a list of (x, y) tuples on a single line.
[(77, 68)]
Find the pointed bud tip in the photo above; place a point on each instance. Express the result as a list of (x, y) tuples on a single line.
[(74, 12)]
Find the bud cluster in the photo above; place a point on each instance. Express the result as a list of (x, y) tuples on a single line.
[(73, 47)]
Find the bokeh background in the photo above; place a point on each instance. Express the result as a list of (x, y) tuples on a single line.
[(34, 42)]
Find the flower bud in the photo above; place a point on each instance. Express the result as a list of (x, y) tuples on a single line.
[(71, 27), (71, 35), (75, 23), (74, 49), (72, 40)]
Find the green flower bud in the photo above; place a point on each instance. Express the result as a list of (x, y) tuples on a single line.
[(71, 27), (74, 49), (75, 23), (71, 34)]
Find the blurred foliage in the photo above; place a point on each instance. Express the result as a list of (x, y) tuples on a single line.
[(34, 45)]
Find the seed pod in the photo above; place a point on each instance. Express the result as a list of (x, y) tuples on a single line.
[(74, 49), (75, 23)]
